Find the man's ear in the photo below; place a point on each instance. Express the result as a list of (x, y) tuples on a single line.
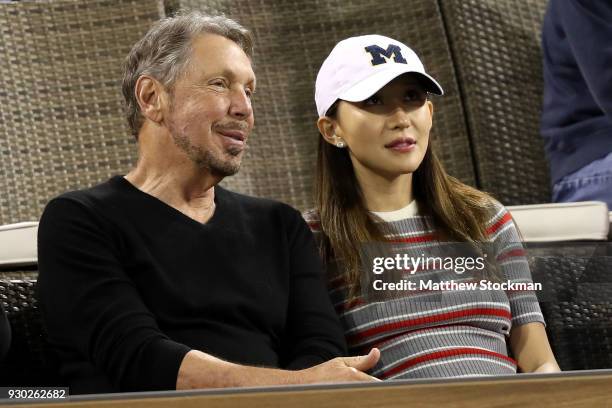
[(150, 95), (327, 127)]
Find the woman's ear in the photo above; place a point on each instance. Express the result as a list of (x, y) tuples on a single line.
[(431, 109), (327, 127)]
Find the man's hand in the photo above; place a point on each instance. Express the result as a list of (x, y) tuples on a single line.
[(201, 370), (341, 369)]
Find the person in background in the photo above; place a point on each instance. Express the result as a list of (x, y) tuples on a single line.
[(379, 181), (161, 279), (577, 110)]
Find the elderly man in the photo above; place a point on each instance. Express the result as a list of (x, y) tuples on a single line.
[(161, 279)]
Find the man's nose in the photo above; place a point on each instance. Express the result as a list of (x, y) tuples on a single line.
[(240, 106)]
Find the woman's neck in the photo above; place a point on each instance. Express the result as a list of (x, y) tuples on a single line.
[(382, 194)]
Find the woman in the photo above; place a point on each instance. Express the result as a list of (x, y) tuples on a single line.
[(378, 180)]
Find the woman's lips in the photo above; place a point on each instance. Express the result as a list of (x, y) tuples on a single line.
[(402, 144)]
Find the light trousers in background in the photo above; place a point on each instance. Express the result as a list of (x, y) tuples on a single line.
[(593, 182)]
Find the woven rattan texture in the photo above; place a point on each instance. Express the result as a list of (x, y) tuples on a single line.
[(28, 362), (496, 50), (61, 118), (576, 300), (292, 38)]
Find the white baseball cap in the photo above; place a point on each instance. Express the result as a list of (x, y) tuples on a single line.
[(359, 66)]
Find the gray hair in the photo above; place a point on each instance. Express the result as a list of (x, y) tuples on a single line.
[(164, 52)]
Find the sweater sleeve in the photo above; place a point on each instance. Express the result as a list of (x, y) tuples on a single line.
[(315, 333), (587, 25), (92, 308), (512, 261)]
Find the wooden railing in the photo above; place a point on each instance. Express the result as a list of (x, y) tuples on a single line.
[(589, 389)]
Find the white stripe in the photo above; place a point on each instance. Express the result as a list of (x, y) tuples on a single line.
[(410, 233), (358, 308), (420, 367), (442, 331), (514, 260), (527, 314), (426, 313), (410, 296), (500, 321), (504, 246), (422, 353), (498, 216), (506, 227)]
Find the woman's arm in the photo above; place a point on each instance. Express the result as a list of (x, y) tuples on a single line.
[(531, 349)]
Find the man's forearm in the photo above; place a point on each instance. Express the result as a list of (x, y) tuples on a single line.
[(201, 370)]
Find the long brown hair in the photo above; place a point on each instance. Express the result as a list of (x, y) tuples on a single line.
[(459, 212)]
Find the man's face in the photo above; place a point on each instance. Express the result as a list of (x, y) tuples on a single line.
[(210, 115)]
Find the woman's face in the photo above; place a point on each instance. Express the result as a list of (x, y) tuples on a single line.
[(387, 134)]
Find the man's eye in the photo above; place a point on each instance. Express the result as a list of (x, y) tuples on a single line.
[(372, 100), (218, 83), (249, 93)]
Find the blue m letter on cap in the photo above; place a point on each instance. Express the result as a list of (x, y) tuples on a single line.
[(380, 55)]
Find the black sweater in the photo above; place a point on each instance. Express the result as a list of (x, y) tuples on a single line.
[(128, 285)]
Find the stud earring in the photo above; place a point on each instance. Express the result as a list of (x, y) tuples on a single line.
[(339, 142)]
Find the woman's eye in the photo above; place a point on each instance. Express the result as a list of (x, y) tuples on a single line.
[(415, 95), (412, 95), (372, 100)]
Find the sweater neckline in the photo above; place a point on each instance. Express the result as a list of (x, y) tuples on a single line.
[(409, 211), (121, 182)]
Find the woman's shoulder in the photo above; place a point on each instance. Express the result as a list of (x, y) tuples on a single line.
[(494, 209), (498, 218), (312, 219)]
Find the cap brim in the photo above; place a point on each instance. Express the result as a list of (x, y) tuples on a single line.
[(369, 86)]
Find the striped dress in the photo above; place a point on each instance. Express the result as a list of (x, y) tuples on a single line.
[(438, 333)]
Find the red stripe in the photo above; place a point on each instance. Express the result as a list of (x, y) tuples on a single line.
[(336, 282), (427, 319), (353, 303), (419, 238), (499, 223), (511, 254), (443, 354), (314, 226), (382, 343)]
